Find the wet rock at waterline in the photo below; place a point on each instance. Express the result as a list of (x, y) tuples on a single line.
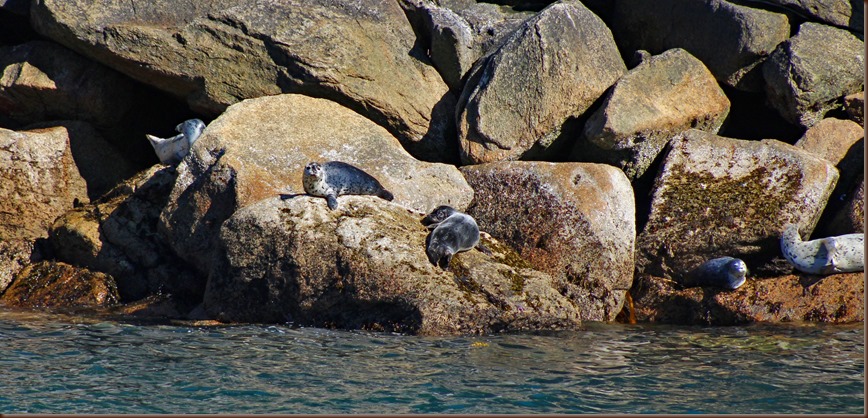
[(216, 53), (732, 40), (258, 149), (573, 221), (15, 254), (49, 284), (663, 96), (835, 299), (810, 73), (364, 267), (717, 196), (548, 71)]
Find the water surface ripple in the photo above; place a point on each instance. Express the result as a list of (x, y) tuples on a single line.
[(53, 364)]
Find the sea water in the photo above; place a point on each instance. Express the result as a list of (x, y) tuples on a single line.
[(57, 364)]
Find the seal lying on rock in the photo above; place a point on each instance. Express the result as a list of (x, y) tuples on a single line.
[(839, 254), (335, 178), (725, 272), (173, 150), (452, 232)]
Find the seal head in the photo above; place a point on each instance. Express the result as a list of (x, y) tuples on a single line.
[(451, 232), (336, 178), (173, 150), (723, 272)]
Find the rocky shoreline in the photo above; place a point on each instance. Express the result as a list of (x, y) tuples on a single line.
[(605, 149)]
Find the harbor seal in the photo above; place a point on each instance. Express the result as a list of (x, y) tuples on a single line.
[(173, 150), (838, 254), (335, 178), (451, 232), (724, 272)]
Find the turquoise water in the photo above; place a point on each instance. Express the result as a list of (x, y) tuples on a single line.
[(57, 364)]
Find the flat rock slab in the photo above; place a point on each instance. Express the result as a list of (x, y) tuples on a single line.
[(363, 266), (574, 221), (835, 299), (550, 69), (216, 53), (258, 148), (718, 197)]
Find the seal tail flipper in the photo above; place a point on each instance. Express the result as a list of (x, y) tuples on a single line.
[(385, 194)]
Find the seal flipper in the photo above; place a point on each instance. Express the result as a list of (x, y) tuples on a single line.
[(332, 201), (484, 250), (444, 262), (385, 194)]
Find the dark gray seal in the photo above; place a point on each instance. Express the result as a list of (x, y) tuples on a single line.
[(838, 254), (336, 178), (451, 232), (173, 150), (723, 272)]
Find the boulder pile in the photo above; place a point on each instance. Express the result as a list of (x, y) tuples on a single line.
[(604, 148)]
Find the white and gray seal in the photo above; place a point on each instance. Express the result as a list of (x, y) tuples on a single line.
[(838, 254), (336, 178), (452, 232), (723, 272), (173, 150)]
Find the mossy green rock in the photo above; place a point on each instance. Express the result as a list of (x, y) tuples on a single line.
[(363, 266), (719, 196), (573, 221)]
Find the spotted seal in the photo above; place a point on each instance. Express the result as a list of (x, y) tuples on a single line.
[(451, 232), (173, 150), (838, 254), (724, 272), (336, 178)]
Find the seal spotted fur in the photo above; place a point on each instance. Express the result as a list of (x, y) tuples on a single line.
[(452, 232), (839, 254), (725, 272), (173, 150), (336, 178)]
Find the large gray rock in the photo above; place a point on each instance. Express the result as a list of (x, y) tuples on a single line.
[(258, 148), (39, 181), (364, 267), (807, 75), (732, 40), (717, 196), (216, 53), (842, 13), (574, 221), (457, 32), (548, 71), (664, 95), (117, 235)]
